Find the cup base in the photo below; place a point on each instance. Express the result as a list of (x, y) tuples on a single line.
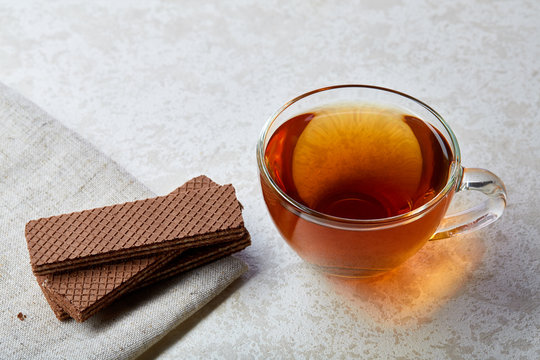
[(350, 273)]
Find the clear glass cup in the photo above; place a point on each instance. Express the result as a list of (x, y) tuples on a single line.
[(363, 248)]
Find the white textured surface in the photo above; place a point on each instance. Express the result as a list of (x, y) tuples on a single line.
[(171, 90)]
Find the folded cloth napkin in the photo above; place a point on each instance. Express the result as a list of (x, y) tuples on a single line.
[(46, 169)]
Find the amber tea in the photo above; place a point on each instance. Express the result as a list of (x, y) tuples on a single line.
[(359, 161), (358, 187)]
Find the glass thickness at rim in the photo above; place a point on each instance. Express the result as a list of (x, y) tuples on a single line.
[(324, 219)]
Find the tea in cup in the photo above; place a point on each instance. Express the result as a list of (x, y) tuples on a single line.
[(358, 178)]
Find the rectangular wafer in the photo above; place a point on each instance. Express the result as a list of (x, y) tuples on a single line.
[(144, 227)]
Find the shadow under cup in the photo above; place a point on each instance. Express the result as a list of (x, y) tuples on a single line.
[(368, 247)]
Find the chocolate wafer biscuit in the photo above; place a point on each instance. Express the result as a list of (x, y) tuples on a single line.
[(138, 228)]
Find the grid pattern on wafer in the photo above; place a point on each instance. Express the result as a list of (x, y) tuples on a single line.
[(107, 277), (132, 225), (84, 287), (82, 293), (94, 287), (181, 263), (88, 290)]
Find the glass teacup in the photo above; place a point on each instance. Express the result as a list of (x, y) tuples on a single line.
[(358, 178)]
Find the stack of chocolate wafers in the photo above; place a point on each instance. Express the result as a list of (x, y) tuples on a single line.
[(85, 260)]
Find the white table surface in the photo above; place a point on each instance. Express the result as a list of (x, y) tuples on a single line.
[(171, 90)]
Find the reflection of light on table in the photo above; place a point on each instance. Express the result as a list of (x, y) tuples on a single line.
[(414, 292)]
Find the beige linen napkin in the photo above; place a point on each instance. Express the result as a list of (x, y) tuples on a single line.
[(45, 169)]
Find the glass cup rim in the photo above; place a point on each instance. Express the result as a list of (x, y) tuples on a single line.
[(319, 217)]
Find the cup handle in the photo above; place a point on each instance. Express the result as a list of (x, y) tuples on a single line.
[(480, 215)]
